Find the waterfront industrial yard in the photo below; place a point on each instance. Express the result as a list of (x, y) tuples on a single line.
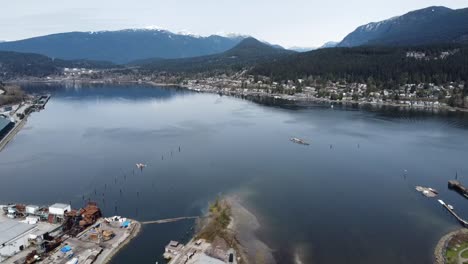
[(199, 252), (59, 234), (13, 117)]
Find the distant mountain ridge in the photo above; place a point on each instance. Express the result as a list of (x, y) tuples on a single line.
[(122, 46), (15, 64), (329, 44), (301, 49), (248, 52), (432, 25)]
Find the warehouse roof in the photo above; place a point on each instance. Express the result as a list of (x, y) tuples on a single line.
[(209, 260), (9, 229), (60, 206), (4, 122)]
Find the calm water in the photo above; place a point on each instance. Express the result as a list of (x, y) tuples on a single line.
[(344, 199)]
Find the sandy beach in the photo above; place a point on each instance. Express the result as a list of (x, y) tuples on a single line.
[(245, 224)]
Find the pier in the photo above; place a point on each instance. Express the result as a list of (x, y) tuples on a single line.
[(458, 187), (169, 220), (449, 208)]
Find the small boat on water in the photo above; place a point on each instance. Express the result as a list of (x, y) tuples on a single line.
[(140, 165), (299, 141)]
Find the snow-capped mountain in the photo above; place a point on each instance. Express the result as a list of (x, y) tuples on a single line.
[(123, 46), (430, 25), (329, 44)]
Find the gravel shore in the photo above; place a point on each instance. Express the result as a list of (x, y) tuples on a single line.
[(106, 256), (244, 224), (439, 251)]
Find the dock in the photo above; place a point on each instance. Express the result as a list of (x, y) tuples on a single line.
[(458, 187), (449, 208), (169, 220)]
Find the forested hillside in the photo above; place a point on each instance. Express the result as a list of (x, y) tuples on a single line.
[(385, 65)]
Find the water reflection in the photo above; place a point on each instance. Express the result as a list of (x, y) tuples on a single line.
[(352, 189)]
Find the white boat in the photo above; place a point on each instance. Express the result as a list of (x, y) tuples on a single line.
[(441, 202), (140, 165), (298, 141)]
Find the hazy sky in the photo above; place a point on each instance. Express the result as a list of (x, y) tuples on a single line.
[(288, 23)]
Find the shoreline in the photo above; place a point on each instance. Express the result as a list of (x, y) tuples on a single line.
[(298, 99), (253, 94), (244, 224), (238, 234), (441, 247), (106, 257), (226, 233), (11, 135)]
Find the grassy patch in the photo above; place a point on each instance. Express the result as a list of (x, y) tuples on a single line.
[(219, 219), (465, 254), (451, 255), (214, 229)]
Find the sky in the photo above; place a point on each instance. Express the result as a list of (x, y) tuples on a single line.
[(299, 23)]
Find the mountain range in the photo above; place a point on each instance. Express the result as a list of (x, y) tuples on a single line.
[(248, 52), (161, 50), (16, 64), (432, 25), (122, 46)]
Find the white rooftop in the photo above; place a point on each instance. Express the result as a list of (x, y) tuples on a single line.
[(10, 229), (60, 206), (204, 259)]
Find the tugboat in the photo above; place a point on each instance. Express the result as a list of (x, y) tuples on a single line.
[(299, 141)]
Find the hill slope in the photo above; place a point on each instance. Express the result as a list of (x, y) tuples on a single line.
[(15, 64), (386, 65), (122, 46), (247, 53), (432, 25)]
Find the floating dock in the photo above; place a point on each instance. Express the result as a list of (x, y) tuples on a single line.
[(426, 191), (450, 208)]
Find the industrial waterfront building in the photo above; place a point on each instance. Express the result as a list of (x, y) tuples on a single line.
[(5, 126), (13, 237), (16, 236)]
